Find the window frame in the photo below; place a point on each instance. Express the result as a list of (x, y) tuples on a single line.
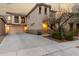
[(16, 19), (22, 20)]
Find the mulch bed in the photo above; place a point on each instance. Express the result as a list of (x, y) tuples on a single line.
[(57, 40)]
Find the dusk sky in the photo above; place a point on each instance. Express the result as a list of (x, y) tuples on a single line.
[(24, 8)]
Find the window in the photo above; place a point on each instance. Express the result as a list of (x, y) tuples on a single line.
[(39, 10), (23, 20), (45, 10), (16, 19)]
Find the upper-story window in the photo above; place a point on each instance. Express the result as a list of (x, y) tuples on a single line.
[(39, 10), (16, 19), (22, 19), (45, 11)]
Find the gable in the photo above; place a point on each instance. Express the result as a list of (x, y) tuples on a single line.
[(37, 5)]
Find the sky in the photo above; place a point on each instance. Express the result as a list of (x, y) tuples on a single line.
[(24, 8)]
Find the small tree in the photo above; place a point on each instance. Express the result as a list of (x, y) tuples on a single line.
[(57, 23)]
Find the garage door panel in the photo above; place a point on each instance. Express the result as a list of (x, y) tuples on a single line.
[(15, 29)]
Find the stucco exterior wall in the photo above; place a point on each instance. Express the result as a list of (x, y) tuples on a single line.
[(35, 20)]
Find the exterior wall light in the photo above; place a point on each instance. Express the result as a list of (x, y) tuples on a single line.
[(9, 18), (25, 28), (6, 28)]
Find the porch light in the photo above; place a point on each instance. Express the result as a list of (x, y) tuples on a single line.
[(25, 28), (9, 18), (6, 28)]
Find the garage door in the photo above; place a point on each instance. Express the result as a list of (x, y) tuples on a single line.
[(13, 29)]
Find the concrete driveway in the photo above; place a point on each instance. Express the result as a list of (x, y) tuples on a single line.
[(23, 41), (36, 45)]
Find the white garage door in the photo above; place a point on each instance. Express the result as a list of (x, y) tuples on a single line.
[(15, 29)]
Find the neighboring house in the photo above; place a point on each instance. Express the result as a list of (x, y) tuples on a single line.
[(37, 18), (74, 23), (71, 24), (2, 25)]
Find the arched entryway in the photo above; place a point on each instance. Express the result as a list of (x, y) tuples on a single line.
[(45, 26)]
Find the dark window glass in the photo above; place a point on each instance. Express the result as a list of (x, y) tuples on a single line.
[(77, 25), (39, 10), (23, 20), (45, 10), (16, 19)]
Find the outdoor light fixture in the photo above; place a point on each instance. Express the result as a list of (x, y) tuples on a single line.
[(25, 28), (6, 28), (9, 18)]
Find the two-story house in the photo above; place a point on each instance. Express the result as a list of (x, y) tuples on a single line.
[(35, 21)]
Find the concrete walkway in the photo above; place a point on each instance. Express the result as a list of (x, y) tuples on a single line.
[(36, 45)]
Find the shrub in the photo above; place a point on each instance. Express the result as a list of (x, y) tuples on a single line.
[(69, 36), (56, 35), (76, 32)]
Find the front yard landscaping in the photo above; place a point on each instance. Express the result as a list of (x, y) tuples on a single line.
[(67, 36)]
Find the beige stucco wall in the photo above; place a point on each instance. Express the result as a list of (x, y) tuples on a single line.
[(36, 19)]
